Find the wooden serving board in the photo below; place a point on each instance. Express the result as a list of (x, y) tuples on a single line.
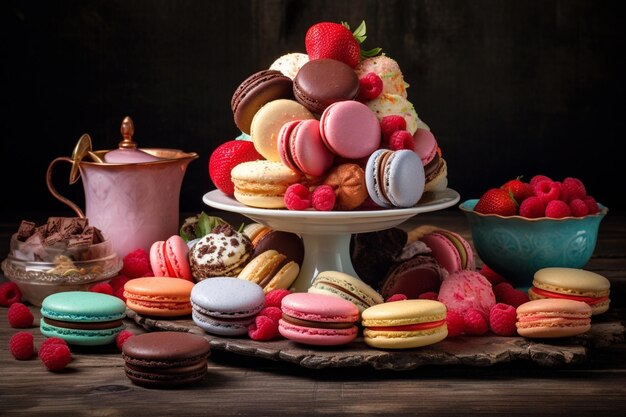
[(473, 351)]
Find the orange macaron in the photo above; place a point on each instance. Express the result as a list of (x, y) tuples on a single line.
[(159, 296)]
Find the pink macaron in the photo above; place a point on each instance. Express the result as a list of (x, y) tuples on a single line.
[(318, 319), (425, 145), (350, 129), (450, 249), (302, 149), (169, 258)]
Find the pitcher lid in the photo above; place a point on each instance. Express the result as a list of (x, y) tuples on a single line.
[(127, 151)]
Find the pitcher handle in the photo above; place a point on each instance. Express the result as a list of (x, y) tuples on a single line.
[(54, 191)]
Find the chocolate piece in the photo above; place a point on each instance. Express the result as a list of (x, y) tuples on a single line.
[(25, 230), (79, 242), (374, 253)]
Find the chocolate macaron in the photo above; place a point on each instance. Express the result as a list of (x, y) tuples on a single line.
[(322, 82), (165, 359), (255, 91)]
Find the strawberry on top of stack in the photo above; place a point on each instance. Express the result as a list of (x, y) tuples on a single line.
[(380, 89), (540, 197)]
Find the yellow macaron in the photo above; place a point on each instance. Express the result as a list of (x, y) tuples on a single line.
[(262, 183), (271, 270), (404, 324), (340, 284), (572, 284)]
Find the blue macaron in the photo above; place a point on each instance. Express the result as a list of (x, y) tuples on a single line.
[(226, 306), (395, 178), (82, 317)]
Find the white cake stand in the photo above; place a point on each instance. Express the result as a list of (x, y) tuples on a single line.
[(326, 234)]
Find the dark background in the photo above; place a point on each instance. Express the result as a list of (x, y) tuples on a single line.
[(508, 87)]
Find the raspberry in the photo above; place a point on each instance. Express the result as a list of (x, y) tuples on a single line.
[(263, 328), (429, 295), (22, 345), (547, 190), (390, 124), (136, 264), (571, 189), (119, 293), (102, 287), (52, 341), (121, 337), (274, 297), (506, 294), (591, 204), (20, 316), (578, 207), (492, 276), (370, 87), (455, 323), (532, 208), (502, 318), (274, 313), (323, 198), (474, 322), (297, 197), (534, 180), (118, 282), (401, 139), (9, 294), (396, 297), (558, 209), (55, 357)]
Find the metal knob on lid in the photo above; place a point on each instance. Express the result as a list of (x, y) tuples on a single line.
[(127, 151)]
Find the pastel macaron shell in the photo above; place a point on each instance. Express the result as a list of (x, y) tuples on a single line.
[(169, 258), (159, 296), (318, 319), (350, 129), (82, 317), (348, 287), (404, 324), (267, 122), (425, 145), (226, 305), (263, 183), (572, 283), (394, 178), (302, 148), (451, 250), (271, 270), (550, 318)]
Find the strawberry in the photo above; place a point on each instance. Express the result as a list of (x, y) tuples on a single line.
[(497, 201), (335, 41), (520, 190), (225, 157)]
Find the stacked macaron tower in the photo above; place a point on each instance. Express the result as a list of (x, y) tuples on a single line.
[(333, 130)]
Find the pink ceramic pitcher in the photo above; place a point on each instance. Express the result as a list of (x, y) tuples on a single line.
[(131, 195)]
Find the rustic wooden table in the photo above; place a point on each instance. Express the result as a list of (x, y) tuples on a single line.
[(94, 383)]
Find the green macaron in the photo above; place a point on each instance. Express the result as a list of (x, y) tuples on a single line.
[(82, 317)]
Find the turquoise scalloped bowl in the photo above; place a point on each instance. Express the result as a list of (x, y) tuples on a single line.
[(516, 247)]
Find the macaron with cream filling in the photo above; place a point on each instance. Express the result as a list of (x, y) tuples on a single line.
[(572, 284)]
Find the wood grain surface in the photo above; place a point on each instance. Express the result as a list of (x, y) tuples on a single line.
[(240, 384)]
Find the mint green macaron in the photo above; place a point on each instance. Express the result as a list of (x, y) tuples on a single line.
[(82, 317)]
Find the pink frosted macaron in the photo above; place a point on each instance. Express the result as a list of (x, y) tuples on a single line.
[(553, 318), (302, 149), (318, 319), (467, 289), (450, 249), (350, 129), (425, 145), (169, 258)]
